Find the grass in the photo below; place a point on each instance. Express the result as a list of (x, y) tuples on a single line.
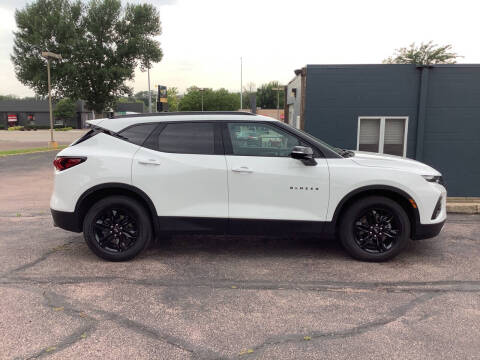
[(29, 151)]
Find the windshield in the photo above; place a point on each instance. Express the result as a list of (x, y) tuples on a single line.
[(339, 151)]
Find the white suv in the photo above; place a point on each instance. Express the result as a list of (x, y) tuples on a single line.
[(131, 179)]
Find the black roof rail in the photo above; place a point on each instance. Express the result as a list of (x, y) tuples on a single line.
[(185, 113)]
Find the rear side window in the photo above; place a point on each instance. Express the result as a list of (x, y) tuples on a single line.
[(137, 134), (187, 138), (87, 136)]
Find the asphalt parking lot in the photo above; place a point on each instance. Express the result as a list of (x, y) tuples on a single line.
[(226, 297)]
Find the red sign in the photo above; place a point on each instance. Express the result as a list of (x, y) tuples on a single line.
[(12, 118)]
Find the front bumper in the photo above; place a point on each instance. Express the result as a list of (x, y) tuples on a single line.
[(66, 220), (428, 231)]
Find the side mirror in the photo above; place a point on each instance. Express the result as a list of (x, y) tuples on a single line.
[(303, 153)]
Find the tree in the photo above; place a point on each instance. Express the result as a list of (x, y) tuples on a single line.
[(248, 90), (425, 54), (213, 100), (143, 96), (173, 99), (267, 97), (101, 44), (65, 109)]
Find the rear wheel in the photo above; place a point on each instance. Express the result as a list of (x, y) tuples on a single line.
[(374, 229), (117, 228)]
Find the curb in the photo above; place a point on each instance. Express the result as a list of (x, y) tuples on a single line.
[(463, 208)]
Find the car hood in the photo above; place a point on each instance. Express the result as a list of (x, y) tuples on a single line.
[(393, 162)]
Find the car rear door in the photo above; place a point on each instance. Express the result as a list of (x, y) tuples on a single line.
[(182, 168), (265, 182)]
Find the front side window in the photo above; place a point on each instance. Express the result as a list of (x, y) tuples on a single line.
[(137, 134), (187, 138), (257, 139), (385, 135)]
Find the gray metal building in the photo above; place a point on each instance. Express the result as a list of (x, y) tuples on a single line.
[(431, 114), (36, 113)]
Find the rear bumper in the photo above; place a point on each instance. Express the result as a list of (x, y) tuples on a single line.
[(66, 220), (427, 231)]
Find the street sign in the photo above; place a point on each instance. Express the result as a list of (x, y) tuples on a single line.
[(162, 99)]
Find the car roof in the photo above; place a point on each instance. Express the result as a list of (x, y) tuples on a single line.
[(118, 123)]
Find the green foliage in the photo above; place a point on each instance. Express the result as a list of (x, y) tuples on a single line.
[(172, 98), (142, 96), (213, 100), (28, 151), (15, 128), (249, 89), (100, 41), (267, 97), (65, 109), (128, 100), (66, 128), (8, 97), (425, 54)]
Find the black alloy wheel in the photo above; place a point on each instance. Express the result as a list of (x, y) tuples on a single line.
[(117, 228), (374, 228)]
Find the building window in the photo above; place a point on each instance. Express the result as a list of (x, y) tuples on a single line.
[(383, 134)]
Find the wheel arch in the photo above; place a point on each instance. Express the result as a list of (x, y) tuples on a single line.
[(398, 195), (98, 192)]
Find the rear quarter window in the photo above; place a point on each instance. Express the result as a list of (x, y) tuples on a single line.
[(137, 134)]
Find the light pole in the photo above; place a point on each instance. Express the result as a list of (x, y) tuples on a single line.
[(278, 89), (149, 92), (241, 83), (201, 91), (49, 55)]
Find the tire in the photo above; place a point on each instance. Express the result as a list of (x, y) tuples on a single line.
[(366, 234), (117, 228)]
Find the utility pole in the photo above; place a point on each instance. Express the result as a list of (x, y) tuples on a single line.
[(49, 55), (241, 83), (149, 92), (278, 89), (202, 90)]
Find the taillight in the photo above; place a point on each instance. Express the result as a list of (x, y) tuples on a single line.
[(63, 163)]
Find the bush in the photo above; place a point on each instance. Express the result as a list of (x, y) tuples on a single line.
[(67, 128), (16, 128)]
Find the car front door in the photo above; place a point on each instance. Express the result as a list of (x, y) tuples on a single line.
[(182, 168), (265, 182)]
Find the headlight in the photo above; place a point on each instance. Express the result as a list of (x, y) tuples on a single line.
[(434, 179)]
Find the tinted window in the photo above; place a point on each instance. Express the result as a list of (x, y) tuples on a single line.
[(137, 134), (87, 136), (260, 140), (187, 138)]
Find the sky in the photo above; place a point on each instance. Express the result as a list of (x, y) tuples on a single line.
[(203, 40)]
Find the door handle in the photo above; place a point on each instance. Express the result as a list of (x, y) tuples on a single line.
[(243, 169), (149, 162)]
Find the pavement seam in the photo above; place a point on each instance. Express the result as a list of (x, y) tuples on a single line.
[(399, 286)]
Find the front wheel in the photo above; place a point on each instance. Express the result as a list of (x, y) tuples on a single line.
[(117, 228), (374, 229)]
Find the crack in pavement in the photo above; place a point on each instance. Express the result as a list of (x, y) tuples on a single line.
[(38, 260), (320, 285), (66, 342), (357, 330), (71, 339), (137, 327)]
